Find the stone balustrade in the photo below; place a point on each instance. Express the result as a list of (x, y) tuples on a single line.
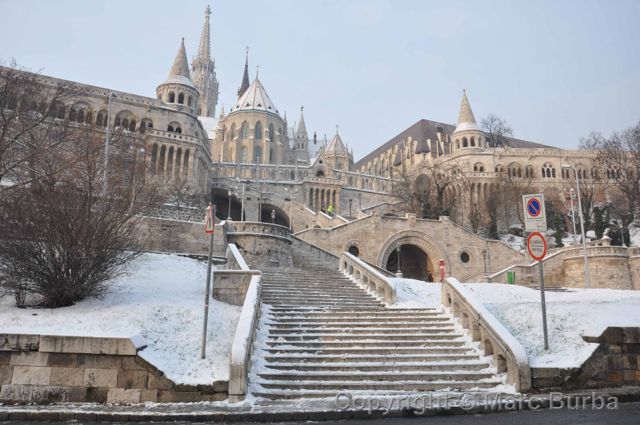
[(231, 284), (368, 277), (508, 354)]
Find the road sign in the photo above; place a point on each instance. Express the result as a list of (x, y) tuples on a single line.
[(537, 246), (535, 219)]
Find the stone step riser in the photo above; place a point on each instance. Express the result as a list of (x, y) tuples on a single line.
[(390, 368), (361, 331), (362, 325), (381, 311), (366, 337), (374, 351), (355, 358), (370, 345), (342, 386)]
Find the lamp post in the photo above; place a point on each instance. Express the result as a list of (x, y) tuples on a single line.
[(229, 209), (572, 195), (484, 257), (273, 216), (399, 271), (350, 203), (587, 277), (106, 148)]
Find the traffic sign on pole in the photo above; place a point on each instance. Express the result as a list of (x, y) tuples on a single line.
[(537, 246), (535, 219), (209, 223)]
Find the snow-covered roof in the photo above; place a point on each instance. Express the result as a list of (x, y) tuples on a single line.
[(255, 98)]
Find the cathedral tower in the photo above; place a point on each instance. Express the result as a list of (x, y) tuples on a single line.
[(204, 72)]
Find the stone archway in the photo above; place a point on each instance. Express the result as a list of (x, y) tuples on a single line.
[(420, 253), (413, 262)]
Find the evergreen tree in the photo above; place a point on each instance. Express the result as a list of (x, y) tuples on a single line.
[(599, 224)]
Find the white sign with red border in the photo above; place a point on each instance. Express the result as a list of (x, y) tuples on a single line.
[(535, 218), (537, 246)]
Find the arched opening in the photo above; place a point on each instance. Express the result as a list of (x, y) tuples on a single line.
[(271, 214), (414, 263), (353, 250), (320, 173), (221, 199)]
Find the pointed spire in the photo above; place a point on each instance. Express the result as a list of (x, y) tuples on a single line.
[(466, 120), (302, 128), (222, 110), (204, 50), (245, 77), (180, 65)]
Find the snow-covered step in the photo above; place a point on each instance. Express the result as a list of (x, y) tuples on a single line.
[(341, 386), (354, 358), (366, 326), (395, 366), (325, 330), (366, 337)]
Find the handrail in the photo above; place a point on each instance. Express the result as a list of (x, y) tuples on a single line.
[(368, 277), (508, 353)]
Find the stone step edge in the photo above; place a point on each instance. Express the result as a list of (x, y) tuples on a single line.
[(285, 413)]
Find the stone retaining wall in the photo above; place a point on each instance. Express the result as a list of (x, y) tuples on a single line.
[(48, 369)]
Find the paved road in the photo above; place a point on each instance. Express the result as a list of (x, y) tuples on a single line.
[(626, 414)]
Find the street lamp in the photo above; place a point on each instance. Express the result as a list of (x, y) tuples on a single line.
[(106, 147), (572, 195), (229, 209), (398, 272), (587, 277), (484, 257)]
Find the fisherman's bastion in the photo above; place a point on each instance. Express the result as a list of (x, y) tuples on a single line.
[(309, 255)]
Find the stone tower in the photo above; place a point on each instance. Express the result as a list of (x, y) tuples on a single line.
[(467, 133), (301, 141), (178, 90), (204, 72)]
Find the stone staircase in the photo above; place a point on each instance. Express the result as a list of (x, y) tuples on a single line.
[(320, 334)]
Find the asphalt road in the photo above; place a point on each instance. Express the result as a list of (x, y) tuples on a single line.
[(626, 414)]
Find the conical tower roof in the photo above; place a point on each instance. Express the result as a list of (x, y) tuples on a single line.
[(179, 72), (336, 145), (255, 98), (245, 77), (302, 127), (466, 119)]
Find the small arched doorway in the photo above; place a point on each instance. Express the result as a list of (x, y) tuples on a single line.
[(271, 214), (414, 263)]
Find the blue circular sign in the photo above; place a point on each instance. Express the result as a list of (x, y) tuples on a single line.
[(534, 207)]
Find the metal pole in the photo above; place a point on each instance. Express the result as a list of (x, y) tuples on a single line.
[(573, 217), (106, 148), (544, 306), (229, 210), (242, 212), (587, 277), (208, 289)]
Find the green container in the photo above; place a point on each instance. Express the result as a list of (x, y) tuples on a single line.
[(511, 278)]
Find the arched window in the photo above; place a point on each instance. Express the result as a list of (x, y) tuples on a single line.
[(88, 119), (473, 141), (170, 128), (270, 156), (190, 102), (181, 98), (244, 131), (272, 133), (172, 97), (132, 125), (528, 172), (465, 143), (257, 131), (72, 114), (479, 167), (178, 130), (101, 119), (243, 154), (145, 124), (233, 131)]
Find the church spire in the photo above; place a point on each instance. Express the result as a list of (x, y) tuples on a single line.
[(245, 77), (204, 73), (204, 49), (302, 128), (180, 65)]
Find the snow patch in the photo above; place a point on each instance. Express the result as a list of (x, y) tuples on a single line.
[(160, 300), (412, 293)]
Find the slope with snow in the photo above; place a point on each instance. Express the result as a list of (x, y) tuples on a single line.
[(161, 299)]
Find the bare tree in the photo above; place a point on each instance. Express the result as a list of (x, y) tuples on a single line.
[(432, 190), (497, 130), (618, 159)]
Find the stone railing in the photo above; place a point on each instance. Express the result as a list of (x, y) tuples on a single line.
[(368, 277), (508, 354), (243, 341), (255, 228), (230, 285)]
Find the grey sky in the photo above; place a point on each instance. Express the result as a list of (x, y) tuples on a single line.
[(556, 70)]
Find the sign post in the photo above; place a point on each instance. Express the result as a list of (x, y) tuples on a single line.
[(209, 229), (535, 221)]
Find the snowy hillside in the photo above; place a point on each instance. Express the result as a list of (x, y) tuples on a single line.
[(161, 300), (570, 315)]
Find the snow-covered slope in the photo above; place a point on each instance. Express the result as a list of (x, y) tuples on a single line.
[(570, 315), (161, 299)]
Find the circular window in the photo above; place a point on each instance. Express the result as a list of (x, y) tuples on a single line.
[(464, 257), (353, 250)]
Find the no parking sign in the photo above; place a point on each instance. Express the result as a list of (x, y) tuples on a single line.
[(535, 219)]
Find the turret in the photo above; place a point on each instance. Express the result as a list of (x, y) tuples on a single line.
[(467, 133), (178, 89)]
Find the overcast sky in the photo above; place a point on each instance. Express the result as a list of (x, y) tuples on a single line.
[(555, 70)]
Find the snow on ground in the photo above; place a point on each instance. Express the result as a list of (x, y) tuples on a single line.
[(634, 233), (569, 316), (515, 242), (411, 293), (161, 299)]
